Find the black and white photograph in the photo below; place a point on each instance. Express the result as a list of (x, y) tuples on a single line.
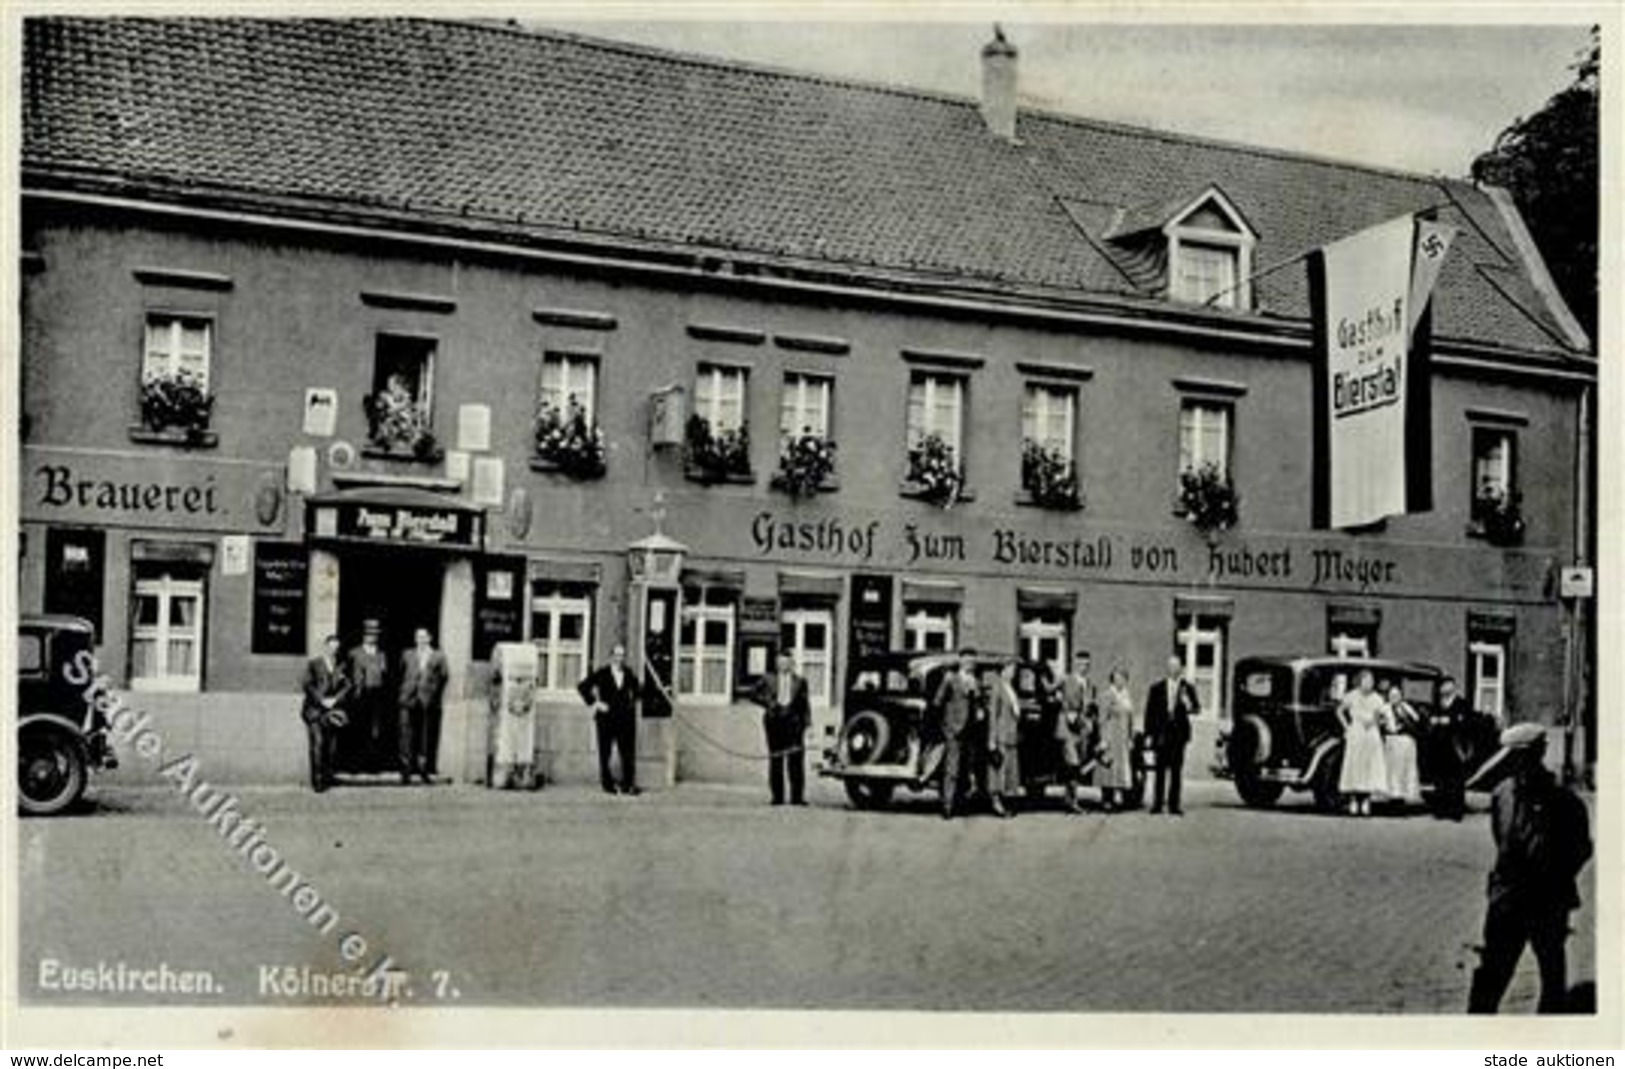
[(1004, 514)]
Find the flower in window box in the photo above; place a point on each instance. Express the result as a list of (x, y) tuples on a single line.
[(806, 462), (1498, 514), (1209, 499), (397, 423), (935, 470), (712, 456), (568, 441), (176, 401), (1049, 477)]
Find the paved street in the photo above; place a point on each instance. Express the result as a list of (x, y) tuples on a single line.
[(707, 897)]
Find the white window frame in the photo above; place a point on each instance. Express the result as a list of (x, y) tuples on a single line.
[(162, 354), (720, 380), (425, 383), (1238, 240), (805, 395), (922, 619), (167, 587), (1034, 628), (819, 669), (555, 605), (1202, 268), (1501, 473), (1189, 634), (577, 377), (697, 655), (930, 384), (1039, 407), (1191, 453), (1489, 689)]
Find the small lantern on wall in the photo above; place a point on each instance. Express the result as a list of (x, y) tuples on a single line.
[(656, 560)]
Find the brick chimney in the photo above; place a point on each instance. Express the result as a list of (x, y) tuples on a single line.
[(999, 86)]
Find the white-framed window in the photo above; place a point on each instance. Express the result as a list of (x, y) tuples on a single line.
[(1199, 642), (175, 344), (1494, 451), (1487, 661), (1204, 434), (1350, 644), (561, 631), (936, 405), (719, 396), (804, 405), (1045, 638), (569, 379), (1049, 417), (930, 628), (809, 634), (705, 647), (1201, 271), (166, 634)]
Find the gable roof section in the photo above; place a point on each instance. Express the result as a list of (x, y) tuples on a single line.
[(544, 132)]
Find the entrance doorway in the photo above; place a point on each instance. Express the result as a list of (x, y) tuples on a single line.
[(401, 589)]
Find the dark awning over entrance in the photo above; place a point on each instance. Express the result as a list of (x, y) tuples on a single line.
[(398, 516)]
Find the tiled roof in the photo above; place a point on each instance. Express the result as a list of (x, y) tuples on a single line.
[(554, 132)]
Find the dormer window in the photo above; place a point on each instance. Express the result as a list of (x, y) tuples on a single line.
[(1210, 253)]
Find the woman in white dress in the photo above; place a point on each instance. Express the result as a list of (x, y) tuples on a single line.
[(1364, 772), (1400, 723)]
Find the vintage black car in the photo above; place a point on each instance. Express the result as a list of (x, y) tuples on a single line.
[(1284, 731), (61, 736), (891, 736)]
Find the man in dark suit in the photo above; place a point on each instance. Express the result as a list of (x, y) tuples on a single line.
[(325, 689), (1446, 734), (368, 671), (423, 685), (1168, 710), (956, 698), (613, 691), (786, 716)]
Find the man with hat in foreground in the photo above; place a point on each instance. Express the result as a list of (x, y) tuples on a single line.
[(369, 679), (1542, 841)]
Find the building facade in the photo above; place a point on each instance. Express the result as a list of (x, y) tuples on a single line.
[(433, 323)]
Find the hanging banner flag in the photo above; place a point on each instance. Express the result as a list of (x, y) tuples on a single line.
[(1372, 400)]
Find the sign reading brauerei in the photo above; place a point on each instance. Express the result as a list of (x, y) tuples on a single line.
[(281, 582), (106, 488), (402, 524)]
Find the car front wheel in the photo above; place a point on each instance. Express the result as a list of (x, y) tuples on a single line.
[(864, 739), (51, 772)]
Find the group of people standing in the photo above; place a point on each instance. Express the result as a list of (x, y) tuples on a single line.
[(1380, 748), (360, 714), (981, 719)]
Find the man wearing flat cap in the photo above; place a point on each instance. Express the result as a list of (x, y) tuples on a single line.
[(1542, 841)]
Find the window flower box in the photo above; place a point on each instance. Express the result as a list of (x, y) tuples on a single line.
[(1498, 516), (934, 472), (398, 427), (567, 443), (806, 465), (1209, 500), (175, 409), (1049, 478), (716, 457)]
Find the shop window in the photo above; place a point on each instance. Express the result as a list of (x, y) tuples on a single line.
[(561, 631), (166, 634), (705, 661), (400, 407), (569, 385), (804, 407), (930, 628), (1204, 435), (809, 634), (1486, 663), (1351, 643), (1199, 640), (936, 407), (1046, 639)]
